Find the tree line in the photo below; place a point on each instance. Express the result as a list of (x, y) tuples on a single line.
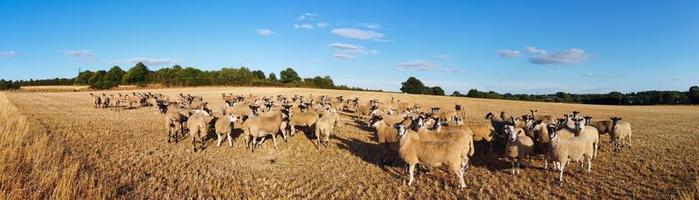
[(613, 98), (177, 75)]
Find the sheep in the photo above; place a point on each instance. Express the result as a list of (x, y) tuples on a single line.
[(518, 147), (174, 120), (105, 101), (223, 128), (198, 125), (305, 119), (386, 135), (263, 125), (620, 133), (324, 126), (588, 132), (564, 150), (414, 150), (603, 126), (96, 100)]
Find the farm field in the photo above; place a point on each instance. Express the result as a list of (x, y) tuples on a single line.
[(124, 154)]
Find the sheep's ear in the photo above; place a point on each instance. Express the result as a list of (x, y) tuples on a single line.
[(619, 118)]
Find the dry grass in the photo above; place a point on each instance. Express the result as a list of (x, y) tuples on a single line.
[(124, 154), (55, 88)]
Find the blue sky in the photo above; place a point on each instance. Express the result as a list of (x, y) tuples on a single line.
[(506, 46)]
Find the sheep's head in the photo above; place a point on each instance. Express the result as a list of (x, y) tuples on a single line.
[(588, 120), (552, 128), (401, 129), (575, 114), (458, 120), (615, 121), (579, 124), (511, 133), (374, 121), (489, 116), (232, 118)]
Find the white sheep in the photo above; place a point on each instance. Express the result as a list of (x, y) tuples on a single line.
[(519, 146), (565, 150), (620, 133)]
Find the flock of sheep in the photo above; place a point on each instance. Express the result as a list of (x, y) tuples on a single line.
[(433, 137)]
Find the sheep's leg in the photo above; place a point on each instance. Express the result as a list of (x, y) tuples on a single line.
[(589, 164), (411, 170), (230, 139), (219, 139), (459, 171), (274, 140), (513, 167), (194, 143)]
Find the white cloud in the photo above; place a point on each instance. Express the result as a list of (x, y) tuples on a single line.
[(307, 16), (347, 51), (264, 32), (534, 50), (358, 34), (506, 53), (371, 25), (322, 25), (8, 54), (570, 56), (150, 61), (303, 26), (374, 69), (85, 53), (417, 66)]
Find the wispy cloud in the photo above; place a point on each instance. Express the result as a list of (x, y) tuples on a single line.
[(85, 53), (303, 26), (358, 34), (371, 25), (322, 25), (534, 50), (570, 56), (150, 61), (506, 53), (8, 54), (347, 51), (264, 32), (307, 16), (418, 65)]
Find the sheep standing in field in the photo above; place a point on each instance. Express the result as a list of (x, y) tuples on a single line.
[(96, 100), (224, 128), (262, 126), (451, 154), (198, 125), (620, 133), (303, 119), (386, 135), (174, 120), (325, 125), (518, 147), (105, 101), (565, 150), (588, 132)]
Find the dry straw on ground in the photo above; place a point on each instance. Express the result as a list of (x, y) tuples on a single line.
[(56, 145)]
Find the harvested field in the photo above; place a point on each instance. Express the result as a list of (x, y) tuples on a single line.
[(124, 154)]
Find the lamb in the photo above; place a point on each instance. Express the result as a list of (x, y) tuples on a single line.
[(414, 150), (324, 126), (223, 127), (564, 150), (620, 133), (198, 125), (603, 126), (262, 126), (518, 147)]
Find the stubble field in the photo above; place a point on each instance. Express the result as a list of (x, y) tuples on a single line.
[(63, 147)]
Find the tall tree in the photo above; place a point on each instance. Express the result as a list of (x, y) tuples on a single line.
[(138, 75), (436, 90), (413, 86), (272, 77), (289, 75), (115, 74), (694, 94), (259, 75)]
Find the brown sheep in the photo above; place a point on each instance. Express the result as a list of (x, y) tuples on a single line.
[(198, 125), (262, 126), (224, 128)]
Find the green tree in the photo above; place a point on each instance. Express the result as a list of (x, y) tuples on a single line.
[(413, 86), (137, 75), (259, 75), (474, 93), (97, 76), (456, 94), (289, 76), (115, 74), (235, 76), (84, 77), (272, 77), (436, 90), (693, 94)]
